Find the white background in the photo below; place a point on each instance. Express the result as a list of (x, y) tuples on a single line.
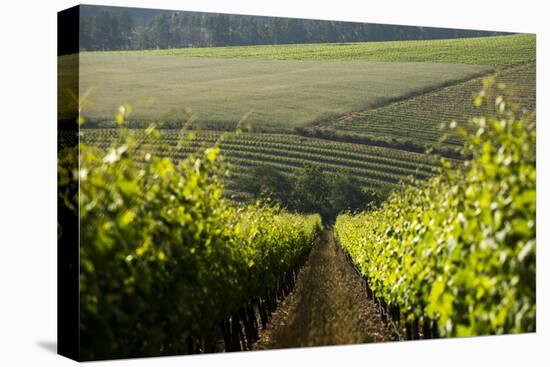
[(28, 182)]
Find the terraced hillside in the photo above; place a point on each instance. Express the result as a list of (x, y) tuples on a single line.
[(377, 167), (417, 121)]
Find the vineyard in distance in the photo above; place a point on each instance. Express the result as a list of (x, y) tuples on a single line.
[(380, 145), (247, 197)]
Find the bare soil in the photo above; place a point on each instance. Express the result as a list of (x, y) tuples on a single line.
[(328, 307)]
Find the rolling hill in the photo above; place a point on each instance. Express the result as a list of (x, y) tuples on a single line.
[(368, 109)]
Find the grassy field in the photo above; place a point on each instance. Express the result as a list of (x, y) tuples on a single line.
[(276, 96), (500, 50)]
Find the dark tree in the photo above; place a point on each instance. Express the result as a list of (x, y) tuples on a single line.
[(311, 192), (347, 193), (268, 182)]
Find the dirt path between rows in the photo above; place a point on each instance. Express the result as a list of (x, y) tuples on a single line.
[(328, 306)]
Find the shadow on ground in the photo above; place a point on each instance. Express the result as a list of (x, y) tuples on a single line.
[(50, 346)]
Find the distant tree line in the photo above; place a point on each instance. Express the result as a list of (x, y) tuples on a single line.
[(109, 28)]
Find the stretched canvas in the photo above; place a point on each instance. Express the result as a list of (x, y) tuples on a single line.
[(233, 183)]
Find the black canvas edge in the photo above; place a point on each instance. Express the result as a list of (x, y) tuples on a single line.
[(68, 264)]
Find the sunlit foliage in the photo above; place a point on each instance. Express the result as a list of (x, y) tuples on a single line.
[(164, 258), (461, 249)]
